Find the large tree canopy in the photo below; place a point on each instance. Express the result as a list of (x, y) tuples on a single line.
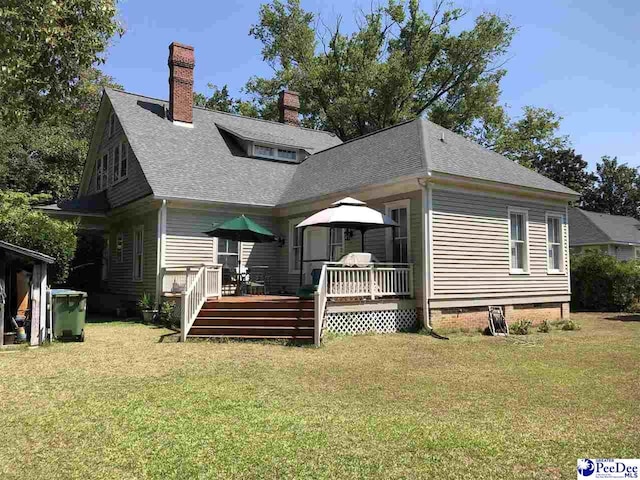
[(616, 190), (46, 46), (400, 62), (565, 167)]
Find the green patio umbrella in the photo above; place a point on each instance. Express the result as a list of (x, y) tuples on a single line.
[(242, 229)]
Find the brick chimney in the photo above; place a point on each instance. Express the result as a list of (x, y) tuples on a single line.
[(289, 105), (181, 63)]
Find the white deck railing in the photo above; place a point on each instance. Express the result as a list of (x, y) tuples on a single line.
[(179, 279), (194, 283), (372, 281)]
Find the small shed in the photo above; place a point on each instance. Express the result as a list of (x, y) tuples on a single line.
[(23, 292)]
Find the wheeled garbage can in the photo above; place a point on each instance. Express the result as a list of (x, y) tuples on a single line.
[(69, 309)]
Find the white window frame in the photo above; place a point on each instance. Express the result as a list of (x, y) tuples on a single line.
[(389, 237), (560, 218), (525, 213), (120, 247), (115, 163), (138, 230), (228, 254), (102, 172), (275, 155), (294, 251), (124, 159), (339, 245), (118, 161)]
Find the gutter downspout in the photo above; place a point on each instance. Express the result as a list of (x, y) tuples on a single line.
[(426, 241), (161, 240)]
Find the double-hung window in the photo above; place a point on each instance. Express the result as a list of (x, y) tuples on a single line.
[(120, 162), (518, 240), (102, 172), (554, 244), (138, 253), (336, 244), (116, 163), (295, 244), (228, 254), (398, 237)]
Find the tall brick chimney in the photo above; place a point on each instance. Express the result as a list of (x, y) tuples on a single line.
[(289, 105), (181, 63)]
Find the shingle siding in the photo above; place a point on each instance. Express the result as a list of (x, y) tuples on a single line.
[(135, 185)]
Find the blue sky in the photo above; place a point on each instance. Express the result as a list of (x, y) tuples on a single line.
[(576, 57)]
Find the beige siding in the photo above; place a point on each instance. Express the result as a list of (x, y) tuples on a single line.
[(134, 186), (187, 244), (471, 247), (120, 279)]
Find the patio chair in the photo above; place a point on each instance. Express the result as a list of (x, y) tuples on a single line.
[(258, 281), (307, 291)]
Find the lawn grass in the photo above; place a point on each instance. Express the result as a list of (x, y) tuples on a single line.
[(124, 405)]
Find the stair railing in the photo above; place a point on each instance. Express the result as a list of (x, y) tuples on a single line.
[(320, 303), (193, 299)]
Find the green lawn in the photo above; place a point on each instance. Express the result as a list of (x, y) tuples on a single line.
[(127, 405)]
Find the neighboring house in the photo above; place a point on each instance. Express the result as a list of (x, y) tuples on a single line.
[(476, 228), (615, 235)]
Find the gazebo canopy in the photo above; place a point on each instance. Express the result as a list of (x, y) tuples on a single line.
[(346, 213), (349, 213)]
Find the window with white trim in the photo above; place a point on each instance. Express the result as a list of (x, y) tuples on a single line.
[(295, 244), (124, 160), (398, 237), (518, 240), (275, 153), (102, 172), (228, 254), (554, 244), (138, 253), (116, 163), (336, 244), (120, 247)]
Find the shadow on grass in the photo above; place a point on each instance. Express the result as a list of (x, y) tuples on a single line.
[(625, 318)]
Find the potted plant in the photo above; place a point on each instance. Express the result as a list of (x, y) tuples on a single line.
[(147, 305)]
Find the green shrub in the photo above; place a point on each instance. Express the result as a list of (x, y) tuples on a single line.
[(146, 302), (521, 327), (603, 283), (167, 314), (571, 325), (544, 327)]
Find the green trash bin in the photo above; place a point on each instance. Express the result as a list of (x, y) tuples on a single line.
[(69, 309)]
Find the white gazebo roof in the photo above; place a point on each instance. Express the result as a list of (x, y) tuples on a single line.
[(348, 213)]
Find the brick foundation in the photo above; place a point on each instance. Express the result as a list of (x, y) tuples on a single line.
[(474, 318)]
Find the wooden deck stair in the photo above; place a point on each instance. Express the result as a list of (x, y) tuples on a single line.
[(287, 318)]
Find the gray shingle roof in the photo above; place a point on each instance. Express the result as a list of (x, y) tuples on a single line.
[(591, 228), (202, 163), (205, 163)]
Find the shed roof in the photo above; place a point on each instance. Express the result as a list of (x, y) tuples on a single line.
[(25, 252)]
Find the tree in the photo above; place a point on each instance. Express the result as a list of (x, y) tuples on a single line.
[(525, 140), (47, 155), (616, 190), (565, 167), (46, 45), (222, 101), (401, 62), (22, 225)]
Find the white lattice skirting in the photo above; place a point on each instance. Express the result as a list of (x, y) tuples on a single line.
[(380, 321)]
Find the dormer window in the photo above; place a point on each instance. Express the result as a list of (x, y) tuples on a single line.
[(274, 153)]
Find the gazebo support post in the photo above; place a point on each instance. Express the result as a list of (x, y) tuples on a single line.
[(362, 230)]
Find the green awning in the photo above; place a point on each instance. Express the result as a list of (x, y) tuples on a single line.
[(242, 229)]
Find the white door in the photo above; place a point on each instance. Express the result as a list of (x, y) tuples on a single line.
[(316, 240)]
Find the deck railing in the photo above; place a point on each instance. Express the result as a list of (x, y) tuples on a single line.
[(372, 281), (179, 278), (320, 303)]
